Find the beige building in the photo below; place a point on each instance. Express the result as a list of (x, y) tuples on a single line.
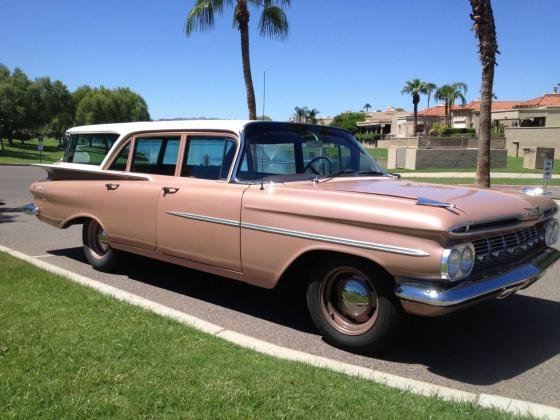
[(526, 124), (382, 122)]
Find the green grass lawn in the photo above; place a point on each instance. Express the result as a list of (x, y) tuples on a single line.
[(27, 153), (514, 165), (68, 351)]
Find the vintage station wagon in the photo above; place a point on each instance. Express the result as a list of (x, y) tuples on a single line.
[(268, 203)]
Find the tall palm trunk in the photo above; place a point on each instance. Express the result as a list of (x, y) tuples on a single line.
[(242, 16), (415, 100), (485, 28)]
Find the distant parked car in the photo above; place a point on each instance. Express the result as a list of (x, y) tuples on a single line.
[(267, 203)]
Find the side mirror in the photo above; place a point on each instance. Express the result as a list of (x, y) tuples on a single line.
[(397, 176)]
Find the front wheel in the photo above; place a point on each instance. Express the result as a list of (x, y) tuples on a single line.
[(352, 304), (98, 251)]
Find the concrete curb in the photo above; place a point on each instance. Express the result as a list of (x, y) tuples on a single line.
[(411, 385)]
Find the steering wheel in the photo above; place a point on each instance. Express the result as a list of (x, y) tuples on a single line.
[(315, 171)]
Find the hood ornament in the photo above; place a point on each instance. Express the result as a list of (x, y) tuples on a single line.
[(423, 201), (533, 213)]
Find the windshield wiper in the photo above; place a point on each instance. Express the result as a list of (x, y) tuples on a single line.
[(351, 172), (371, 173), (341, 173)]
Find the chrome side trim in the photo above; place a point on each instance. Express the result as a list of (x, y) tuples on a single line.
[(502, 284), (337, 240), (201, 218), (304, 235)]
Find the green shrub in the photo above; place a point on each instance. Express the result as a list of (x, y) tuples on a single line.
[(367, 137), (456, 132), (436, 129)]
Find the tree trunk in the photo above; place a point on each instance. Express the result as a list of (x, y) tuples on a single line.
[(485, 28), (242, 16), (1, 143), (415, 124), (483, 161)]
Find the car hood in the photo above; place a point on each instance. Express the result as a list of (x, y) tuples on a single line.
[(468, 205)]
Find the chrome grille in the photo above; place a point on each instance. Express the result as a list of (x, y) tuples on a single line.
[(496, 251)]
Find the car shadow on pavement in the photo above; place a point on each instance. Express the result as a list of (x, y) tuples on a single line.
[(241, 297), (485, 344), (9, 214)]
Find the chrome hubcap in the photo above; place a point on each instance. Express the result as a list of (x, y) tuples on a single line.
[(355, 298), (98, 241), (349, 300)]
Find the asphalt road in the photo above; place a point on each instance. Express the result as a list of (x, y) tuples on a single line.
[(509, 347)]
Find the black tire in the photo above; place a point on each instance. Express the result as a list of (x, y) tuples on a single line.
[(353, 305), (98, 253)]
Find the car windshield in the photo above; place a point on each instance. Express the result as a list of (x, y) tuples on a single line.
[(89, 149), (284, 150)]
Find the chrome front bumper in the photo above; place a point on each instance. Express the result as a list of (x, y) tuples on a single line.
[(31, 209), (429, 300)]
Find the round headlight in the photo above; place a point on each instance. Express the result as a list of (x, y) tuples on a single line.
[(467, 260), (454, 263), (552, 232)]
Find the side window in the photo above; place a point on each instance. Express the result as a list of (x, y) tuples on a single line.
[(155, 155), (119, 164), (89, 149), (208, 157)]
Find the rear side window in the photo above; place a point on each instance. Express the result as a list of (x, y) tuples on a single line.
[(89, 149), (208, 157), (119, 164), (155, 155)]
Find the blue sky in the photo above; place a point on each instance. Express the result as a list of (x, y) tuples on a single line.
[(337, 57)]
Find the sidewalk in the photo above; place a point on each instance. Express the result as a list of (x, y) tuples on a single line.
[(472, 175)]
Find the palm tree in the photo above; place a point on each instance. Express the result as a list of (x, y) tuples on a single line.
[(430, 88), (301, 114), (367, 106), (483, 24), (312, 116), (449, 94), (415, 87), (273, 23)]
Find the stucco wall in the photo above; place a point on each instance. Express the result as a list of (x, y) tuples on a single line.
[(441, 158), (456, 158), (445, 142), (532, 137)]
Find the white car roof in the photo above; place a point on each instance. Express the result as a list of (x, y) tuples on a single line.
[(124, 129)]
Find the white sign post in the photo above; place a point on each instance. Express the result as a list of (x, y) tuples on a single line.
[(547, 173), (40, 148)]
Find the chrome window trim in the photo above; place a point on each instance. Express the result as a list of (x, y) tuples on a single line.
[(304, 235)]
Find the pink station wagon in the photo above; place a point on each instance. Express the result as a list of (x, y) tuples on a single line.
[(268, 203)]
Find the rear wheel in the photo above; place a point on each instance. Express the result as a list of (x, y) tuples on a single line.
[(96, 247), (352, 304)]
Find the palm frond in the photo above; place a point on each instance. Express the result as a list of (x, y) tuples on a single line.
[(201, 16), (273, 22)]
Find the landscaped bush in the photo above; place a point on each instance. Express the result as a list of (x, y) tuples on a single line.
[(441, 131), (436, 129), (367, 137)]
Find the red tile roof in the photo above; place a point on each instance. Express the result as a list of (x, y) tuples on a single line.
[(550, 99), (496, 105)]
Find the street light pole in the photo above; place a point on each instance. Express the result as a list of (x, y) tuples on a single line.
[(264, 93)]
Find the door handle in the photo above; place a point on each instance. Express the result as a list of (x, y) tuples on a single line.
[(169, 190), (111, 187)]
